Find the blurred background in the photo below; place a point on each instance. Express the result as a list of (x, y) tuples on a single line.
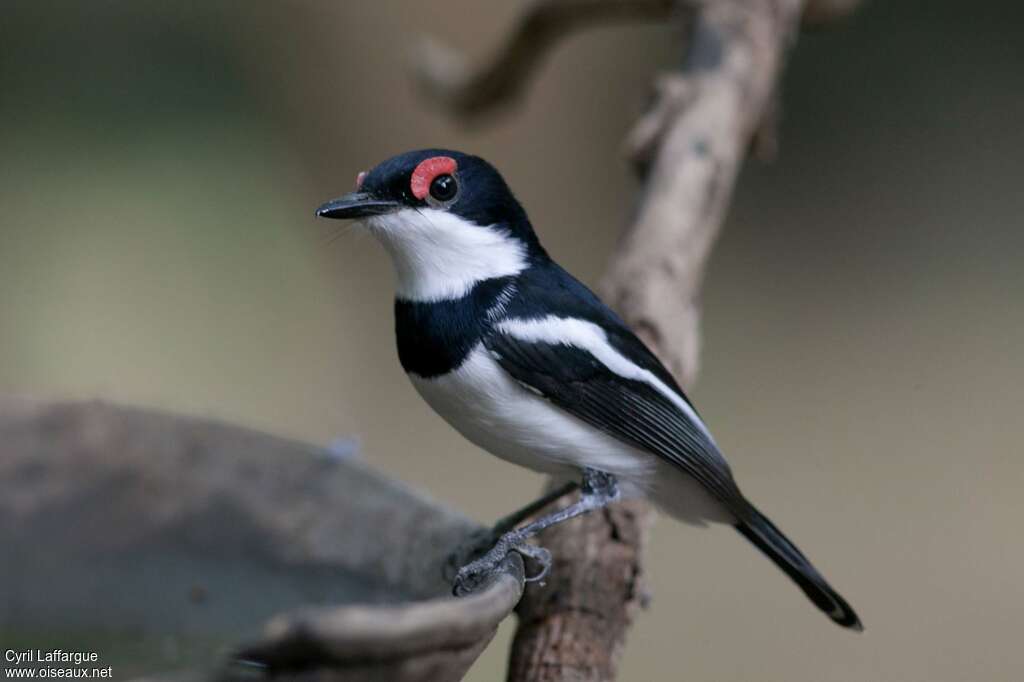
[(159, 167)]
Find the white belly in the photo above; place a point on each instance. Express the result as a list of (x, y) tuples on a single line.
[(496, 413)]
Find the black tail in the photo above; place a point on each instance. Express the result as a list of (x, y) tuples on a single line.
[(759, 530)]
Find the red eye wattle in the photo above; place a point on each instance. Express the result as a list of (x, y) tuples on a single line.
[(427, 170)]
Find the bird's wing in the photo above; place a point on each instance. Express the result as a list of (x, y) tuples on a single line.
[(598, 371)]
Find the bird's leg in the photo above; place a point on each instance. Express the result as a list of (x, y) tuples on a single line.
[(518, 516), (597, 490), (482, 540)]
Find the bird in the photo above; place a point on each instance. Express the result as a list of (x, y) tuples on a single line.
[(527, 363)]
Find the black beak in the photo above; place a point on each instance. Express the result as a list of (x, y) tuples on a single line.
[(356, 205)]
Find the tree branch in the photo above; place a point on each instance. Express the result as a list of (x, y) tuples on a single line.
[(446, 77), (688, 148), (140, 503)]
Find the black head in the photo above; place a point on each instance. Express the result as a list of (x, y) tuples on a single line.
[(440, 179)]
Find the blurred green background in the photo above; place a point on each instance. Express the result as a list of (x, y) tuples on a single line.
[(159, 167)]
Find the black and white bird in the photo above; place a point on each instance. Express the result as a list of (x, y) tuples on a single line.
[(527, 363)]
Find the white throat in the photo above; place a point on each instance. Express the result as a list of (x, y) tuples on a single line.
[(439, 256)]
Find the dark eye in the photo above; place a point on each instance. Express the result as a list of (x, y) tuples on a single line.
[(444, 187)]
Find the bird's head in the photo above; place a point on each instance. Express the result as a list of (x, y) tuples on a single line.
[(447, 218)]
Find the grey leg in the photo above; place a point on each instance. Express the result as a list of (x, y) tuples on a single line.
[(598, 490), (481, 541), (515, 518)]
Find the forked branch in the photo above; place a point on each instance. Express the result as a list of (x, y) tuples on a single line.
[(470, 92), (445, 75)]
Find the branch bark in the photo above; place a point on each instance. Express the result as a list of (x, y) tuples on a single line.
[(164, 510), (688, 148)]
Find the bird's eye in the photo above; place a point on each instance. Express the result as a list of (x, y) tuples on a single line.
[(433, 181), (444, 188)]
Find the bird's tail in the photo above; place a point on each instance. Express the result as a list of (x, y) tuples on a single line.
[(757, 528)]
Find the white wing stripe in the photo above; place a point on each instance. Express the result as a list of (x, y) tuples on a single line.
[(590, 337)]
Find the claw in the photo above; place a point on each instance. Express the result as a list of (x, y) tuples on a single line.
[(540, 556)]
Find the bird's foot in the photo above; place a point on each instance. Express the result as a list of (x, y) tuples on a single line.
[(598, 489), (468, 551), (477, 572)]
